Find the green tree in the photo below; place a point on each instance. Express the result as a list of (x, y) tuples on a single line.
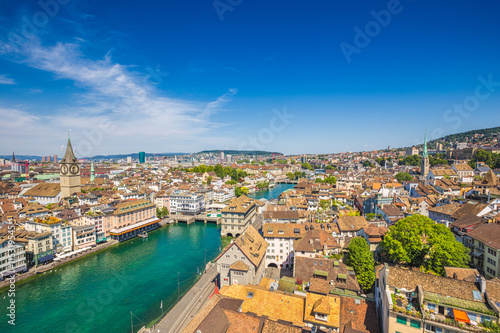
[(291, 175), (239, 191), (209, 180), (367, 164), (361, 259), (300, 174), (307, 166), (330, 180), (419, 241), (161, 213), (330, 167), (403, 177)]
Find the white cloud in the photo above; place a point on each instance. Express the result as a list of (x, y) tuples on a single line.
[(140, 116), (213, 106), (4, 79)]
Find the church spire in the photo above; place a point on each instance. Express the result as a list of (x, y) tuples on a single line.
[(92, 171), (425, 154), (13, 157), (69, 155)]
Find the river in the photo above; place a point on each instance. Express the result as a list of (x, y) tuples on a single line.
[(97, 292), (271, 193)]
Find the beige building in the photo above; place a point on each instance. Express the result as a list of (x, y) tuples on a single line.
[(38, 246), (84, 236), (238, 215), (242, 261), (70, 182), (484, 242)]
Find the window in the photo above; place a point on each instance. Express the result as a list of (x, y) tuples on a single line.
[(431, 307), (415, 323), (401, 320)]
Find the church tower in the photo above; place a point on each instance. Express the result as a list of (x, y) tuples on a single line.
[(424, 166), (92, 172), (70, 173)]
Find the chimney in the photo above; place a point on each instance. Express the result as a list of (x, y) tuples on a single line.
[(455, 276), (482, 284)]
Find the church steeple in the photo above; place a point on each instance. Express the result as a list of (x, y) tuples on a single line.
[(424, 165), (425, 154), (13, 157), (92, 172), (69, 155), (70, 172)]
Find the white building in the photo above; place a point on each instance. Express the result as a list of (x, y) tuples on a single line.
[(186, 204), (12, 258)]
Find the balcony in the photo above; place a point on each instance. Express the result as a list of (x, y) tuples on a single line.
[(451, 322)]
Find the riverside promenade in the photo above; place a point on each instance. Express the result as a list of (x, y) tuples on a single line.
[(182, 313), (54, 264)]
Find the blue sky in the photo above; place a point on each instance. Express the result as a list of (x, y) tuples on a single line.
[(184, 76)]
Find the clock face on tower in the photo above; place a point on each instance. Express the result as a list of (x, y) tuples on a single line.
[(64, 169), (74, 169)]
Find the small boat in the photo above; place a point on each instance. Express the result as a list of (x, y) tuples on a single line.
[(143, 234)]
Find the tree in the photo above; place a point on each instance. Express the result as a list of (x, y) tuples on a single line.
[(161, 213), (330, 167), (209, 180), (324, 204), (330, 180), (419, 241), (239, 191), (361, 259), (307, 166), (291, 175), (403, 176)]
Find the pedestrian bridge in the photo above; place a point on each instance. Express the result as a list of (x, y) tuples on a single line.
[(195, 218)]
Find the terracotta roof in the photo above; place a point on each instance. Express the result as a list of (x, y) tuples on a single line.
[(275, 304), (469, 208), (239, 266), (251, 244), (281, 215), (240, 204), (358, 315), (315, 241), (463, 167), (351, 223), (44, 190), (489, 234), (329, 305), (490, 179), (448, 209), (467, 274), (409, 279), (305, 268)]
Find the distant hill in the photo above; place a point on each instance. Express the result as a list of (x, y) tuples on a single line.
[(240, 152), (458, 137), (96, 157)]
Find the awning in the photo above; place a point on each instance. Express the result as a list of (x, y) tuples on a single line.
[(46, 258), (461, 316)]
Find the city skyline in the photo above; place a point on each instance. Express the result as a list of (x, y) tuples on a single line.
[(189, 78)]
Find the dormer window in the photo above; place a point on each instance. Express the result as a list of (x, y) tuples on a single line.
[(320, 316)]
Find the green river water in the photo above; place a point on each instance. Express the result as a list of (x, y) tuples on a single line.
[(98, 292)]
